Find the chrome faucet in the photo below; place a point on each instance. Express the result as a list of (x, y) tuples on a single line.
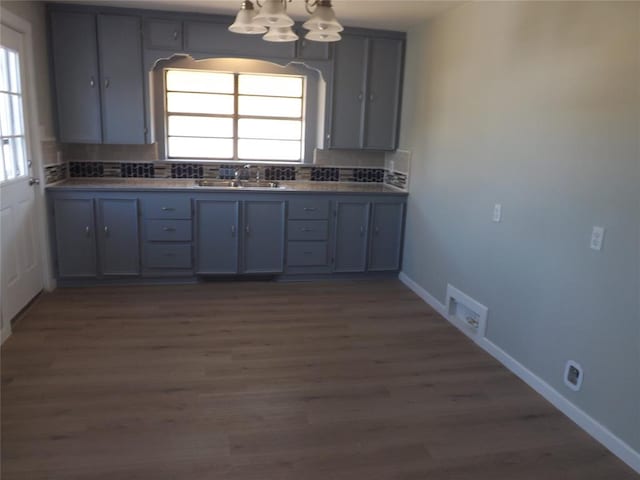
[(239, 175)]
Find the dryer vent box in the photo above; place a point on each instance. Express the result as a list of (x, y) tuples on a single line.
[(467, 314)]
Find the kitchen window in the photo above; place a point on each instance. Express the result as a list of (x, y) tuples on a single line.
[(234, 116), (13, 151)]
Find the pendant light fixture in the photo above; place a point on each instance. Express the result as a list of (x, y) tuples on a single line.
[(323, 26)]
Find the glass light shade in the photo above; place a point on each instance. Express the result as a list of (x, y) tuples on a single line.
[(323, 19), (280, 34), (273, 14), (323, 36), (244, 23)]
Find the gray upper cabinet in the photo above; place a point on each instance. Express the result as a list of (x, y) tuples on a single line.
[(216, 39), (99, 82), (309, 50), (387, 220), (347, 93), (350, 236), (264, 237), (163, 35), (77, 79), (365, 93), (218, 226), (384, 86), (74, 223), (122, 81), (118, 237)]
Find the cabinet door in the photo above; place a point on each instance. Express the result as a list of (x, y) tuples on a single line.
[(383, 93), (217, 237), (347, 92), (263, 237), (386, 236), (75, 61), (121, 79), (75, 237), (215, 38), (350, 238), (163, 34), (118, 237)]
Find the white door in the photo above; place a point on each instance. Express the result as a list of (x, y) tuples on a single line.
[(21, 270)]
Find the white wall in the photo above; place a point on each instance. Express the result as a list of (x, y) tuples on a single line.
[(534, 105), (34, 13)]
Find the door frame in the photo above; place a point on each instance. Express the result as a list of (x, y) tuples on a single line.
[(34, 147)]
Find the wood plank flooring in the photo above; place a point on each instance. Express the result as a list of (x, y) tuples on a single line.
[(271, 381)]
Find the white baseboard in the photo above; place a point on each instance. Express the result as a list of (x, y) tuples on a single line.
[(598, 431)]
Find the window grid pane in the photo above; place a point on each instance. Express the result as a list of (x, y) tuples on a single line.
[(12, 133), (267, 124)]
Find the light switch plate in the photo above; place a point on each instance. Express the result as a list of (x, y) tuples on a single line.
[(497, 212), (597, 237)]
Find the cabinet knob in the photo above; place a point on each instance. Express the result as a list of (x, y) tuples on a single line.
[(167, 209), (107, 82), (92, 82), (360, 96), (309, 209), (372, 97), (247, 230), (87, 231), (376, 230), (175, 35), (362, 231), (106, 230), (233, 230), (169, 229)]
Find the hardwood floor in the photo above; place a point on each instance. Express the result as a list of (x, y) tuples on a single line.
[(271, 381)]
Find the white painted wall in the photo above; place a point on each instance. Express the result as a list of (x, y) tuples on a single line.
[(534, 105)]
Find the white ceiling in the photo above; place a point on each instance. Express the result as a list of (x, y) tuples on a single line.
[(382, 14)]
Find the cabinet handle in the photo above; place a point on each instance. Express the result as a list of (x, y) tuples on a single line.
[(107, 82), (233, 230), (168, 229), (362, 231), (106, 230), (360, 96), (169, 254), (372, 97), (308, 253), (247, 229), (307, 230), (309, 209), (87, 231), (167, 209)]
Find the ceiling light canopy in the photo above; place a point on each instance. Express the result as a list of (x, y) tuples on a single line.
[(272, 18)]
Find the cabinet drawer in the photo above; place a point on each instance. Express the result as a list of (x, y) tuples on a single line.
[(166, 206), (167, 256), (308, 229), (309, 209), (307, 254), (168, 230)]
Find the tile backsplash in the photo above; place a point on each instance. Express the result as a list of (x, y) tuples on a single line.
[(140, 161)]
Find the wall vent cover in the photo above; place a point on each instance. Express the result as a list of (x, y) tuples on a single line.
[(467, 314)]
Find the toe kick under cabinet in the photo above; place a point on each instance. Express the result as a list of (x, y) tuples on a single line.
[(109, 235)]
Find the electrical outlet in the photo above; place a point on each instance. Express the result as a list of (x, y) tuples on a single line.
[(597, 237), (497, 212), (573, 375)]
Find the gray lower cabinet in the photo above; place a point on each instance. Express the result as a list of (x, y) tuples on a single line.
[(90, 245), (387, 220), (239, 237), (74, 223), (118, 237), (217, 237), (264, 228), (350, 236)]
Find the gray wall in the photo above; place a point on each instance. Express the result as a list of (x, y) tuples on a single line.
[(534, 105), (34, 13)]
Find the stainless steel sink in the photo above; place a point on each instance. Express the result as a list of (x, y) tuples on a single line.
[(240, 185)]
